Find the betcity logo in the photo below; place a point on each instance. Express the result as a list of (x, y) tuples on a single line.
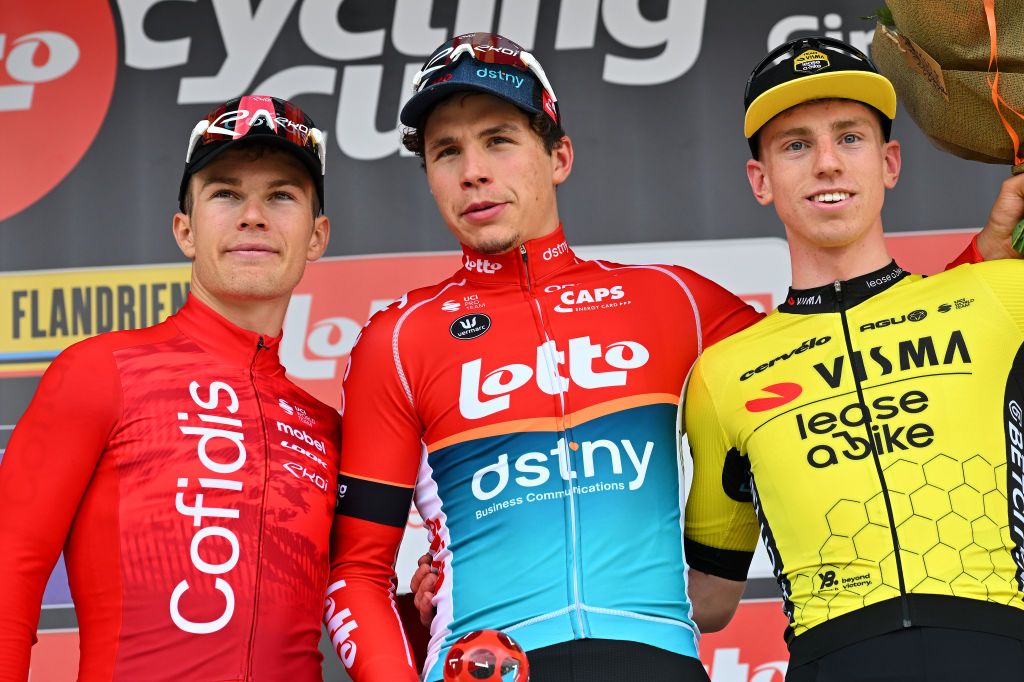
[(481, 395), (221, 449)]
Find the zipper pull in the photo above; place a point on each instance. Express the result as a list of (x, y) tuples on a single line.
[(260, 345), (838, 286), (526, 265)]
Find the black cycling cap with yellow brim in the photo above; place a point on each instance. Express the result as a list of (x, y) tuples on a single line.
[(813, 68)]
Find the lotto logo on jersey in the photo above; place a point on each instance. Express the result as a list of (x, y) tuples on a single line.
[(481, 395), (482, 265)]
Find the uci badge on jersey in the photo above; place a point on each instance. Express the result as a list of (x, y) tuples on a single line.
[(810, 61), (470, 326)]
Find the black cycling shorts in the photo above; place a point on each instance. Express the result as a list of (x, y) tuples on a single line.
[(919, 654), (609, 660)]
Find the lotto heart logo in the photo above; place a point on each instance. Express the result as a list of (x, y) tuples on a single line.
[(57, 71)]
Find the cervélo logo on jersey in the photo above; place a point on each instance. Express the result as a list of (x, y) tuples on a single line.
[(484, 391)]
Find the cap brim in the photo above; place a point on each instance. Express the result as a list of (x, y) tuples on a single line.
[(269, 140), (420, 104), (861, 86)]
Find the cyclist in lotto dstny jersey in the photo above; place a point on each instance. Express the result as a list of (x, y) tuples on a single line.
[(531, 399), (870, 429), (189, 482), (529, 404)]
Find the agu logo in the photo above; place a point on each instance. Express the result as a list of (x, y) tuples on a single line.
[(57, 73)]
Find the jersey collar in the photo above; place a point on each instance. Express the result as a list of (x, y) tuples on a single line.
[(838, 296), (219, 337), (531, 262)]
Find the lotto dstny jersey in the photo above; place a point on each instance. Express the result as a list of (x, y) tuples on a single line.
[(532, 402), (876, 425), (192, 487)]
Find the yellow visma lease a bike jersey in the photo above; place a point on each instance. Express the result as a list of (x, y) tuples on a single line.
[(870, 432)]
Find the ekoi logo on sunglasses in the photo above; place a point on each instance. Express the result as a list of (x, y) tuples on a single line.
[(57, 72)]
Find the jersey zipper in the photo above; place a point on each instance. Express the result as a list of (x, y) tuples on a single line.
[(568, 441), (875, 457), (263, 510)]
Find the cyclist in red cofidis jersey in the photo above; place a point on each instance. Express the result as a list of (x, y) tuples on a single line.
[(191, 485)]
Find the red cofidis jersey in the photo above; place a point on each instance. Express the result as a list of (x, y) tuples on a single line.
[(192, 487)]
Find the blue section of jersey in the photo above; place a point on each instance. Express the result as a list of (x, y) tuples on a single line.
[(603, 553)]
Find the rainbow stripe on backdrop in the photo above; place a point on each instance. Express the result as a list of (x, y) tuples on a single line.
[(42, 312)]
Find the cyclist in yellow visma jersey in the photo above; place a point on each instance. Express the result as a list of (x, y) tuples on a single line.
[(870, 429)]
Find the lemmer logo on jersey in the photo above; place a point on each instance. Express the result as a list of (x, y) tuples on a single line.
[(481, 395)]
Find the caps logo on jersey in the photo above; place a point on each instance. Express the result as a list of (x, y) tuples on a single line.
[(809, 61), (470, 326)]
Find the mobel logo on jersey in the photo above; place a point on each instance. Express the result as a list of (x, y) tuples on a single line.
[(498, 385)]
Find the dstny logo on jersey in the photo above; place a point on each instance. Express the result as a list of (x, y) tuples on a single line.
[(533, 469), (481, 395)]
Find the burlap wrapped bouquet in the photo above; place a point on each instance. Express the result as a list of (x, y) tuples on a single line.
[(937, 55)]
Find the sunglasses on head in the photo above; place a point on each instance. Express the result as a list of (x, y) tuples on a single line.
[(259, 116), (791, 49), (489, 48)]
